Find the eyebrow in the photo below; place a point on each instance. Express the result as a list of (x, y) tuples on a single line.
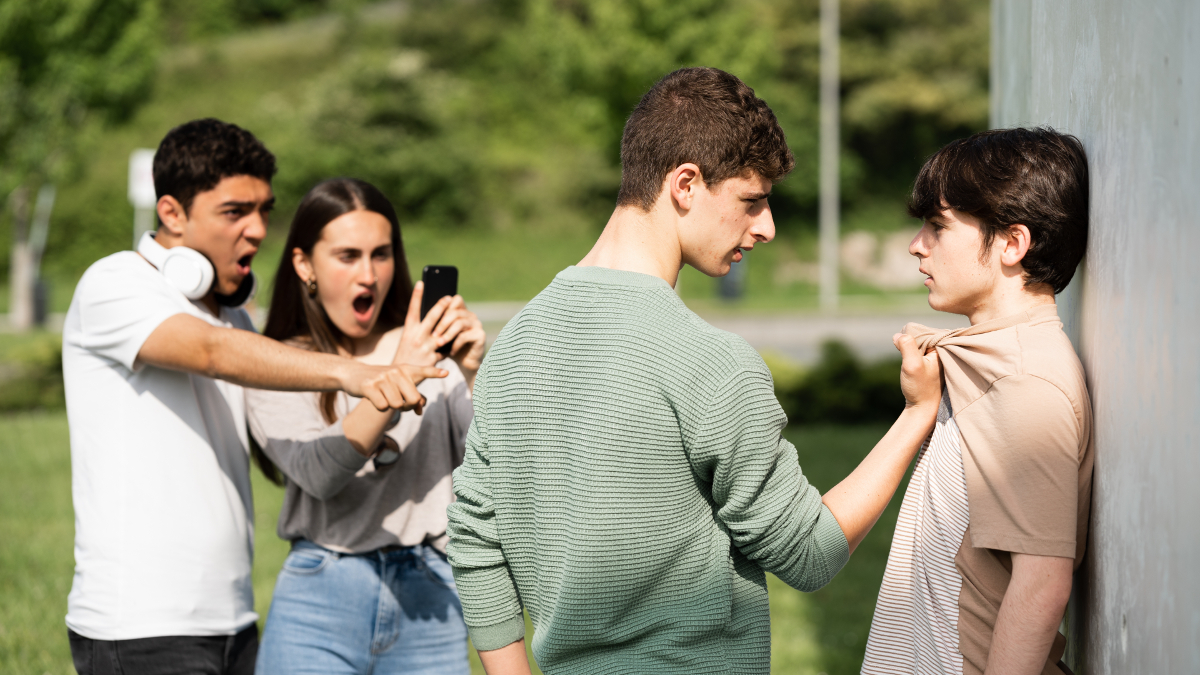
[(757, 195), (269, 204)]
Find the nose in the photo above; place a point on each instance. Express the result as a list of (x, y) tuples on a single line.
[(366, 271), (764, 226), (256, 227), (919, 245)]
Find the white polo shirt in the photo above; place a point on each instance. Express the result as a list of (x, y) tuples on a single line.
[(164, 524)]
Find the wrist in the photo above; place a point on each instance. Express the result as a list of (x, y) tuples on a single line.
[(346, 376), (925, 412)]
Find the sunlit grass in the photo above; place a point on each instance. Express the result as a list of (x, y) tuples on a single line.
[(823, 632)]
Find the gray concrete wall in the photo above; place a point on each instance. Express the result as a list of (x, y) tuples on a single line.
[(1124, 76)]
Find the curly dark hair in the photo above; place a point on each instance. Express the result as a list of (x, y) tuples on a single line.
[(1033, 177), (704, 116), (195, 156)]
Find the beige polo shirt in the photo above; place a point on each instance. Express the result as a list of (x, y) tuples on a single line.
[(1007, 469)]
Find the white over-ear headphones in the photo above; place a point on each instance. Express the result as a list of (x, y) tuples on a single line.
[(191, 272)]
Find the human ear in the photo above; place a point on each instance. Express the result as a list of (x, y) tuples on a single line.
[(303, 265), (1016, 244), (682, 184), (172, 215)]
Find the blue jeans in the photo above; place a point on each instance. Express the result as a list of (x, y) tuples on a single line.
[(378, 612)]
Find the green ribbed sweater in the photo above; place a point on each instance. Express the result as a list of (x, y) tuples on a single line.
[(626, 482)]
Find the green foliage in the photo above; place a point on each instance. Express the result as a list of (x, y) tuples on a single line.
[(31, 372), (914, 76), (63, 62), (510, 113), (841, 390), (186, 19), (504, 117)]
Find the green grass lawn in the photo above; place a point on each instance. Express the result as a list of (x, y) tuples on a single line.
[(823, 632)]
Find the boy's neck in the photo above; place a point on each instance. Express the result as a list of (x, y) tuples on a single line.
[(1009, 299), (639, 241)]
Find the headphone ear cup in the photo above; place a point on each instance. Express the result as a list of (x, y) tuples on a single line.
[(189, 271)]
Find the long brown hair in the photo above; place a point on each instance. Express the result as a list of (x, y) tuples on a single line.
[(296, 316)]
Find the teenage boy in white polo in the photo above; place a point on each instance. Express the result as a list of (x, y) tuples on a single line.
[(155, 353), (994, 520)]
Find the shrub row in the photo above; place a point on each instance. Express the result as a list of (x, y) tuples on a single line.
[(840, 389), (31, 373)]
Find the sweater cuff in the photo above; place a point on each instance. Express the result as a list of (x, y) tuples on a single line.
[(487, 638), (832, 542)]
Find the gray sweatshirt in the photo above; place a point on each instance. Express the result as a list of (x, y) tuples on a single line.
[(341, 500)]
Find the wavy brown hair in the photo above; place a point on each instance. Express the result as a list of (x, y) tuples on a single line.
[(704, 116), (297, 317)]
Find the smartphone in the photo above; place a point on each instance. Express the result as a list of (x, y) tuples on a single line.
[(440, 281)]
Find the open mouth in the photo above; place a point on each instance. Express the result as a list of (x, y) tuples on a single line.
[(243, 263), (364, 305)]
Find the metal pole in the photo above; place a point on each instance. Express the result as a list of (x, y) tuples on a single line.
[(829, 155)]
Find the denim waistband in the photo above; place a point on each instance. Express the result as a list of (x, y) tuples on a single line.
[(389, 551)]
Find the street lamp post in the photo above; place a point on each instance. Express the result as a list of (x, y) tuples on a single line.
[(829, 156)]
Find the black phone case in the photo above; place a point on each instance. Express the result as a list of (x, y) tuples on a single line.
[(440, 281)]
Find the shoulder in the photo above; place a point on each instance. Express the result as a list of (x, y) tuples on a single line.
[(1047, 355), (1025, 410), (125, 271)]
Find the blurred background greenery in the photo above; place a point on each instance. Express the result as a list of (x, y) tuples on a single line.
[(494, 126)]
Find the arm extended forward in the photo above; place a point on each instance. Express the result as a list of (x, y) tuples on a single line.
[(189, 344)]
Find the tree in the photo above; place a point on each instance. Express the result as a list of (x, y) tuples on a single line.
[(512, 110), (63, 63)]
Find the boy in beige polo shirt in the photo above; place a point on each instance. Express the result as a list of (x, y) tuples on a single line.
[(994, 520)]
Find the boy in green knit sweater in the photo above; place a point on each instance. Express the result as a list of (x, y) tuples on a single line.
[(625, 477)]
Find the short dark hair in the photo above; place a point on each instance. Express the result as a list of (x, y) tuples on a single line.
[(195, 156), (1034, 177), (704, 116)]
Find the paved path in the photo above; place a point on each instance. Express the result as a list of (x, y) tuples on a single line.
[(797, 336)]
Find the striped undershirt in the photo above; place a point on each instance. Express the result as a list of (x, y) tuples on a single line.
[(915, 629)]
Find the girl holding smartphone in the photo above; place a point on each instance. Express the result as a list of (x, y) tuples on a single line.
[(366, 587)]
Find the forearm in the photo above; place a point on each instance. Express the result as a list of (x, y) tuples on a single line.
[(252, 360), (509, 660), (859, 500), (1029, 615), (321, 466), (186, 343), (364, 427)]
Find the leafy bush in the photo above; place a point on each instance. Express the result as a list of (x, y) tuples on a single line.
[(31, 373), (842, 390)]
